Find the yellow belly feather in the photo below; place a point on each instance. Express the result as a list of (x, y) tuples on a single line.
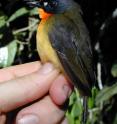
[(45, 50)]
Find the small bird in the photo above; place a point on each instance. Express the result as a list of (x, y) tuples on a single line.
[(63, 39)]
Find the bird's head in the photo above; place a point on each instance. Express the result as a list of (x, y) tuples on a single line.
[(51, 6)]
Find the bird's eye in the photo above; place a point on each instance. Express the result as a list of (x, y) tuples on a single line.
[(45, 4)]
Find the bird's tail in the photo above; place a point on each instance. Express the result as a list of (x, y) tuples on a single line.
[(85, 110)]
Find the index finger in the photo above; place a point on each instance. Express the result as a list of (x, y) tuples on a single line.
[(18, 70)]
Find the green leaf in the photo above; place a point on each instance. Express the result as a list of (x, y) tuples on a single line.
[(106, 93), (114, 70), (77, 109), (20, 12), (2, 21), (34, 12), (7, 54), (1, 36), (70, 119), (91, 100), (72, 99)]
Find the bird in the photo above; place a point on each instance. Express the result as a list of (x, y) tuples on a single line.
[(63, 39)]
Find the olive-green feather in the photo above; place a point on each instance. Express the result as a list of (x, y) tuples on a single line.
[(74, 53)]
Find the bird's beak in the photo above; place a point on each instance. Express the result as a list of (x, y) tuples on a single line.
[(34, 3)]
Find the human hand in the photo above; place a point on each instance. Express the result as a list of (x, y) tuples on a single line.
[(23, 84)]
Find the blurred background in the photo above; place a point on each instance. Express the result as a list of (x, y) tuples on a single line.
[(18, 24)]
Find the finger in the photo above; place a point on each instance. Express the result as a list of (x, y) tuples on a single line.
[(18, 70), (2, 119), (60, 90), (23, 90), (64, 121), (42, 112)]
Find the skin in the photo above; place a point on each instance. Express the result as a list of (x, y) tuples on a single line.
[(29, 82)]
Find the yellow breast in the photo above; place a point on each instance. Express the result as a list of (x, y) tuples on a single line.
[(45, 50)]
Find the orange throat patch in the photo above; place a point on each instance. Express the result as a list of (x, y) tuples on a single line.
[(43, 14)]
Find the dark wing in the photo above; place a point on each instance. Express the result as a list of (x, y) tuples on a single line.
[(74, 54)]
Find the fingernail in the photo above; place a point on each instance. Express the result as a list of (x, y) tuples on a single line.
[(67, 91), (46, 68), (28, 119)]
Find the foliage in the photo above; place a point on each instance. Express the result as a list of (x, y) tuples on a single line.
[(18, 25), (7, 54), (16, 36)]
